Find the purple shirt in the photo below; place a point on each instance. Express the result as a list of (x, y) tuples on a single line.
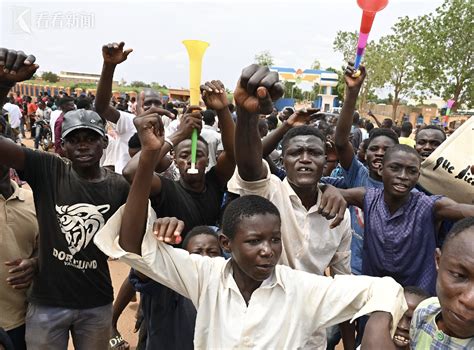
[(401, 245)]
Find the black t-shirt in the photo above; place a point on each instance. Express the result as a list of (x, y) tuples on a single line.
[(73, 272), (191, 207)]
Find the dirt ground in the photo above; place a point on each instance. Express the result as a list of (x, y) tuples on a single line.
[(119, 271)]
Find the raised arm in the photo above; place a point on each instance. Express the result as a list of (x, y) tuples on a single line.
[(446, 208), (375, 119), (151, 133), (343, 129), (174, 268), (15, 66), (185, 129), (255, 90), (113, 54), (300, 117), (215, 97)]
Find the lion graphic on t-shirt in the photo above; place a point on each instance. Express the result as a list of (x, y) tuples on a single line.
[(80, 222)]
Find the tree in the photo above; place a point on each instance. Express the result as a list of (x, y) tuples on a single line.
[(264, 58), (50, 76), (298, 93), (339, 88), (395, 57), (346, 43), (316, 65), (288, 88), (139, 83), (292, 90), (372, 97), (444, 59)]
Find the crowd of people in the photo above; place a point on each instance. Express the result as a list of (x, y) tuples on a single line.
[(300, 229)]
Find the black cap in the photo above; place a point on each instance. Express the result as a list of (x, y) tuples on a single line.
[(82, 119)]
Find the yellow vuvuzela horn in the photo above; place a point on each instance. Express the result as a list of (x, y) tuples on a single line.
[(196, 49)]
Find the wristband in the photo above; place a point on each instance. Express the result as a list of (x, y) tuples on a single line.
[(322, 187), (168, 140)]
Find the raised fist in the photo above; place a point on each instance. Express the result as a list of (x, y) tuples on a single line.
[(214, 95), (114, 54), (15, 66), (257, 88)]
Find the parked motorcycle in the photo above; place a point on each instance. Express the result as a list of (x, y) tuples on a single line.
[(44, 136)]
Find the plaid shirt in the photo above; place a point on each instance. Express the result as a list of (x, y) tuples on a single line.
[(400, 245), (424, 332)]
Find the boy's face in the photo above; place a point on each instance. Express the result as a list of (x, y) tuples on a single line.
[(455, 285), (375, 152), (427, 140), (400, 173), (205, 245), (84, 147), (402, 334), (304, 160), (256, 246), (183, 160)]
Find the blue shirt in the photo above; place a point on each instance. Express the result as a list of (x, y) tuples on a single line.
[(358, 176), (401, 245)]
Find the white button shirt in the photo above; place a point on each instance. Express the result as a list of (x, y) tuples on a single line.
[(282, 313), (308, 242)]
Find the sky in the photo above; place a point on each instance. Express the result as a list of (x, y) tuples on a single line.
[(68, 35)]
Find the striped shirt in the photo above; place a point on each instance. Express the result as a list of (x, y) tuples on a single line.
[(424, 332)]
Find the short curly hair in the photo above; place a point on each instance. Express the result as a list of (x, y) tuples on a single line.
[(460, 226), (244, 207), (302, 130), (374, 133)]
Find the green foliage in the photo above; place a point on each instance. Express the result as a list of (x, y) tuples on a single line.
[(444, 59), (372, 97), (339, 88), (138, 83), (316, 64), (50, 77), (288, 87), (346, 43), (298, 94), (83, 86), (292, 90), (395, 61), (424, 56), (264, 58)]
